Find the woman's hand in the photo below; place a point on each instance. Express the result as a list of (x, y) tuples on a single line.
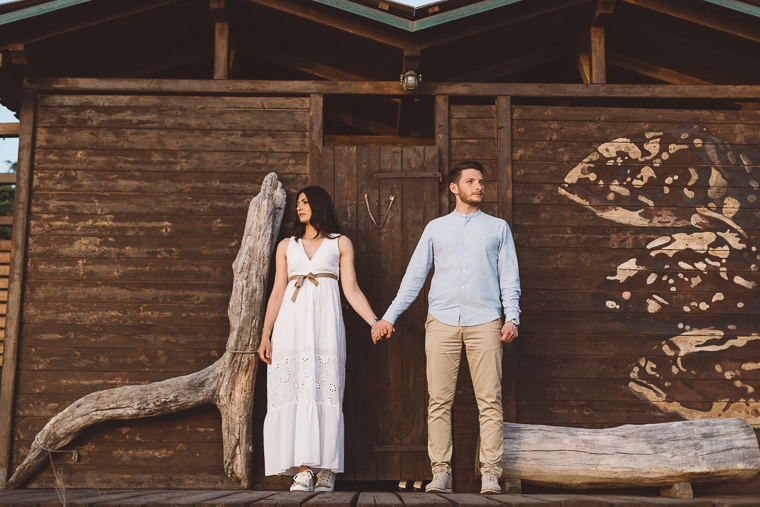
[(265, 350)]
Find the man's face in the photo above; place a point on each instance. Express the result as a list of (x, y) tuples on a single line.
[(470, 188)]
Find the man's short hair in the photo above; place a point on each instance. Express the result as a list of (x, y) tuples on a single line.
[(456, 172)]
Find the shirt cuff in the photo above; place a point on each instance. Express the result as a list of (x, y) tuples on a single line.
[(512, 315), (390, 316)]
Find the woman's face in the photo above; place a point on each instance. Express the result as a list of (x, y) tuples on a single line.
[(303, 209)]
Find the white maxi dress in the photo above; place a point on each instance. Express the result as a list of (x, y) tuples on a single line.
[(306, 380)]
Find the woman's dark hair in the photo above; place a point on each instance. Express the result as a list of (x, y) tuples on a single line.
[(323, 217)]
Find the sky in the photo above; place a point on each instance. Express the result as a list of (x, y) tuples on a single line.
[(8, 147)]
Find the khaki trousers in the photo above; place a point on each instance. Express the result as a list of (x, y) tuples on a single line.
[(443, 346)]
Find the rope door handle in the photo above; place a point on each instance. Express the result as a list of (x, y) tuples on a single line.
[(387, 212)]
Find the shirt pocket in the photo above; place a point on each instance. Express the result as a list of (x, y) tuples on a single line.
[(486, 245)]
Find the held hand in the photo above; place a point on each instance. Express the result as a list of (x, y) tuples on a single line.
[(380, 329), (508, 332), (265, 350)]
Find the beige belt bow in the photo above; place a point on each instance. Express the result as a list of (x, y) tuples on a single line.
[(311, 276)]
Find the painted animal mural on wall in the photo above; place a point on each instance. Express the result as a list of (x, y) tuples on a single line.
[(697, 282)]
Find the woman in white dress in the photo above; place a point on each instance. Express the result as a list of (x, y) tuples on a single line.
[(304, 345)]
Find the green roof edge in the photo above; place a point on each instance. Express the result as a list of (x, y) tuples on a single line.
[(361, 10), (367, 12), (462, 12), (415, 26), (742, 7), (36, 10)]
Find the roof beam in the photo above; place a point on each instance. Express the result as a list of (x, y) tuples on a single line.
[(665, 75), (169, 61), (328, 16), (513, 66), (653, 71), (700, 18), (305, 65), (52, 29), (495, 21), (392, 88)]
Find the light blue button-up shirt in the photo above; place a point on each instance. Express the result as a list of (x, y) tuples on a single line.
[(475, 275)]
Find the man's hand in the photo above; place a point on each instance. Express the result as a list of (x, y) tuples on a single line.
[(380, 329), (508, 332)]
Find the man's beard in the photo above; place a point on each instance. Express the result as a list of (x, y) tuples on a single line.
[(470, 199)]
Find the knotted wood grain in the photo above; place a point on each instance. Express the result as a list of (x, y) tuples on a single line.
[(648, 455)]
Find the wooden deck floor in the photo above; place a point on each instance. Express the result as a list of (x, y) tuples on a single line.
[(205, 498)]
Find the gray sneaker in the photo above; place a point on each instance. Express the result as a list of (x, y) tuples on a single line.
[(441, 482), (303, 481), (325, 481), (490, 483)]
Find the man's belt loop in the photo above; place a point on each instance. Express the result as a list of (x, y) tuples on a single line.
[(311, 276)]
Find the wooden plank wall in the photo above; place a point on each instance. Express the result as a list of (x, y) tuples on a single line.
[(138, 205), (637, 235), (472, 136)]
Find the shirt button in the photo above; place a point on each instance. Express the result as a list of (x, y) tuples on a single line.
[(463, 286)]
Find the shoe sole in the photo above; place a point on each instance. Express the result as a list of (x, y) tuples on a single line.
[(490, 491), (324, 490), (301, 490), (437, 490)]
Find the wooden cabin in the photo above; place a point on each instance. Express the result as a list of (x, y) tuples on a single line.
[(621, 141)]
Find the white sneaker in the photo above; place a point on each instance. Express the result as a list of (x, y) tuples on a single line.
[(303, 481), (490, 483), (441, 482), (325, 481)]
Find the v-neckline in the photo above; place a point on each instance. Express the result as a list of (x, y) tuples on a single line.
[(303, 249)]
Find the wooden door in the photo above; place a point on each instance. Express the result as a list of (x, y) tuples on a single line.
[(385, 403)]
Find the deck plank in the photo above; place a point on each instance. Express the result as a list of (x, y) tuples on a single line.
[(233, 498), (190, 498), (424, 500), (379, 499), (239, 499), (285, 499), (96, 497), (333, 499), (523, 501)]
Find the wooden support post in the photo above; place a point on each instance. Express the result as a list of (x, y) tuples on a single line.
[(221, 39), (15, 280), (583, 60), (678, 490), (316, 134), (442, 142), (590, 57), (504, 153), (598, 65)]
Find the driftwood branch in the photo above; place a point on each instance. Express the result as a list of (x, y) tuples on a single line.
[(228, 383), (648, 455)]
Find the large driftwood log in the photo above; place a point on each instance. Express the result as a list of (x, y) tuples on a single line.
[(649, 455), (228, 383)]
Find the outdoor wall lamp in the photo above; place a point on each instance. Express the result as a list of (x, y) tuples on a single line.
[(410, 80)]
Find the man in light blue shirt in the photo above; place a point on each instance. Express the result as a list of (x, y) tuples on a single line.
[(475, 278)]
